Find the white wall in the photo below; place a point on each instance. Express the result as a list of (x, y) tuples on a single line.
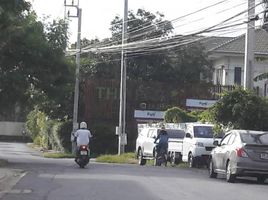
[(11, 128), (230, 62)]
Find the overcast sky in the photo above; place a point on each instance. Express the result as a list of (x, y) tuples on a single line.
[(98, 14)]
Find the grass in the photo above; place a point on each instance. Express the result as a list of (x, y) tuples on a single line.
[(128, 158), (57, 155)]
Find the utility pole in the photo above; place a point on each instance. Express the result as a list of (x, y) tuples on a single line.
[(265, 15), (249, 46), (122, 137), (77, 71)]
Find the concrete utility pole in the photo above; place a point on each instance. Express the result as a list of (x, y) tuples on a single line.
[(77, 71), (122, 137), (249, 46)]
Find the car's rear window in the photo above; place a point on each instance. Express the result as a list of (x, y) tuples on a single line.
[(203, 131), (174, 133), (253, 138)]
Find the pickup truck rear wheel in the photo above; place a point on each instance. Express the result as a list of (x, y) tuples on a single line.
[(141, 160), (191, 161), (174, 160)]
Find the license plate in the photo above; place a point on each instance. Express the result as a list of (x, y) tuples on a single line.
[(83, 152), (264, 156)]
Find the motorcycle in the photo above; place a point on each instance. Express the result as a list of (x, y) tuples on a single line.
[(160, 157), (82, 158)]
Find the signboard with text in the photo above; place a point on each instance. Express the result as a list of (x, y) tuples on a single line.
[(199, 103), (149, 114)]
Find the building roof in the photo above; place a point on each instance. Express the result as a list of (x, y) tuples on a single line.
[(211, 43), (237, 44)]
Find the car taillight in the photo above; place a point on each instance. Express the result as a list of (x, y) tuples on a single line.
[(241, 153)]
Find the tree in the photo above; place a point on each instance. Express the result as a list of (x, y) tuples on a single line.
[(142, 25), (32, 61), (178, 65), (241, 109)]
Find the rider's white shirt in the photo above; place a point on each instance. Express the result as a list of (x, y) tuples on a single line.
[(82, 136)]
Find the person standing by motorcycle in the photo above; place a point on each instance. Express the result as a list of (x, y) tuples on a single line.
[(82, 136), (163, 140)]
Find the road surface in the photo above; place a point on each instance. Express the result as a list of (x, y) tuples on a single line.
[(61, 179)]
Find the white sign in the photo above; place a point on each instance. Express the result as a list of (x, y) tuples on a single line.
[(149, 114), (198, 103)]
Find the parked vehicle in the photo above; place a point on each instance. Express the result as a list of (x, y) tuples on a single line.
[(240, 153), (82, 158), (145, 146), (197, 144)]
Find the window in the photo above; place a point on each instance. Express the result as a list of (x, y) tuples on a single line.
[(225, 140), (252, 138), (219, 76), (203, 131), (150, 133), (175, 133), (232, 139), (237, 75)]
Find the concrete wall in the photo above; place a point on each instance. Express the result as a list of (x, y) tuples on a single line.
[(11, 128)]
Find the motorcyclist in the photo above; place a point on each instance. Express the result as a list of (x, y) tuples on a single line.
[(163, 140), (82, 136)]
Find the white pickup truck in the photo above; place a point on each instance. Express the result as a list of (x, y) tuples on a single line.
[(145, 146), (198, 143)]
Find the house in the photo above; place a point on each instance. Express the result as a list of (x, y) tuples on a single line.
[(227, 56)]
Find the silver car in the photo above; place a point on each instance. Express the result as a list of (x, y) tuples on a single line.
[(240, 153)]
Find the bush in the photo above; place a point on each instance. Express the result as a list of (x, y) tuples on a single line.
[(64, 135), (31, 124), (178, 115), (241, 109), (49, 133)]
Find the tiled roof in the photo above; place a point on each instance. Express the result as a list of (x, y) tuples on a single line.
[(213, 42), (237, 44)]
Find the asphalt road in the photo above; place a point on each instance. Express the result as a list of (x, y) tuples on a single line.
[(49, 179)]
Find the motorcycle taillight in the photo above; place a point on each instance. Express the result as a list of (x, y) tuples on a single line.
[(83, 147)]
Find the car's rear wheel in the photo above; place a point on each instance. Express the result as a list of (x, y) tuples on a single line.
[(261, 179), (229, 176), (212, 173), (141, 160), (191, 161)]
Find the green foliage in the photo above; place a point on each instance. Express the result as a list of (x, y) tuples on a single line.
[(155, 25), (241, 109), (181, 65), (129, 158), (63, 135), (48, 133), (261, 77), (32, 59), (178, 115), (206, 116), (58, 155)]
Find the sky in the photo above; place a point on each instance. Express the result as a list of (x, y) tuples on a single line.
[(98, 14)]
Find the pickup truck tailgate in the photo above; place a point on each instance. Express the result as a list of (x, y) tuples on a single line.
[(175, 145)]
